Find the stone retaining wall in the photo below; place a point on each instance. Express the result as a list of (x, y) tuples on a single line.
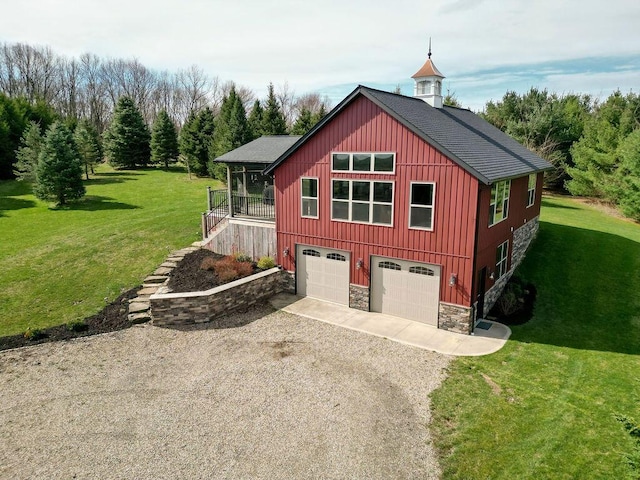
[(198, 307)]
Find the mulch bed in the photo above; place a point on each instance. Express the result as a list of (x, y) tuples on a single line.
[(186, 277), (522, 315)]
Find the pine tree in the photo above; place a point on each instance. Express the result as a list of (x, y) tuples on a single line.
[(255, 119), (303, 123), (627, 184), (126, 141), (196, 138), (319, 115), (164, 140), (27, 154), (59, 170), (89, 146), (273, 122)]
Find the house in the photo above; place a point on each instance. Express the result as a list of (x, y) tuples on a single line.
[(405, 206)]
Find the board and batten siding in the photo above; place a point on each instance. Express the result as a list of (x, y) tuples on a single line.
[(364, 127)]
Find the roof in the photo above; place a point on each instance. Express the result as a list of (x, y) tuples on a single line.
[(265, 149), (428, 70), (474, 144)]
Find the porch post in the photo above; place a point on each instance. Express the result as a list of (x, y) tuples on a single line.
[(209, 206), (229, 191)]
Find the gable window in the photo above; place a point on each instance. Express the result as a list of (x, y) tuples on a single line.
[(501, 259), (309, 197), (362, 201), (499, 207), (421, 205), (364, 162), (531, 189)]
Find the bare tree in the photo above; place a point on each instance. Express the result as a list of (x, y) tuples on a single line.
[(287, 100)]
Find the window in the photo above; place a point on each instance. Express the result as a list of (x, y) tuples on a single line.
[(362, 201), (311, 253), (422, 87), (422, 271), (501, 259), (421, 206), (531, 189), (309, 196), (389, 266), (336, 256), (363, 162), (499, 207)]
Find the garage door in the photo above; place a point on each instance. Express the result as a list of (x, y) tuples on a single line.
[(323, 273), (405, 289)]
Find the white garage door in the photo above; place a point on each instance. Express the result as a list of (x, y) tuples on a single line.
[(405, 289), (323, 273)]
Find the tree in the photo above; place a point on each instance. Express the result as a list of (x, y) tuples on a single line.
[(273, 122), (196, 138), (88, 144), (451, 100), (255, 119), (59, 170), (303, 123), (627, 185), (27, 155), (126, 141), (164, 140)]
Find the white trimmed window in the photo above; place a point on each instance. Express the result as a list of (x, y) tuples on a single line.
[(379, 162), (531, 189), (362, 201), (421, 202), (309, 197), (502, 253), (499, 207)]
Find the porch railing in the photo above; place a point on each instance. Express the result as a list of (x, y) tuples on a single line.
[(254, 206), (257, 206)]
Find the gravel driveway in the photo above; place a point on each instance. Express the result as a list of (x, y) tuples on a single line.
[(276, 397)]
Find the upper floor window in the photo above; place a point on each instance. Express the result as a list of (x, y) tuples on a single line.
[(421, 205), (531, 189), (382, 162), (502, 253), (309, 197), (499, 207), (362, 201)]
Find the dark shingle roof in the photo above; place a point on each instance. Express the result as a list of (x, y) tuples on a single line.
[(265, 150), (477, 146)]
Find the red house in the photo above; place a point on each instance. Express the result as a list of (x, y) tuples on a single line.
[(404, 206)]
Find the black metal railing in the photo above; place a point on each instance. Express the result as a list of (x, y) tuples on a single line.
[(257, 206)]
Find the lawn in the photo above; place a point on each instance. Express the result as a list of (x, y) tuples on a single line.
[(550, 403), (60, 265)]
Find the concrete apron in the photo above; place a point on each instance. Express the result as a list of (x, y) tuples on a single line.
[(427, 337)]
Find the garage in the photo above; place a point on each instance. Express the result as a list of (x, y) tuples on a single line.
[(323, 273), (405, 289)]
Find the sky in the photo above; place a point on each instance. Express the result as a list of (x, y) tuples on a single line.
[(483, 47)]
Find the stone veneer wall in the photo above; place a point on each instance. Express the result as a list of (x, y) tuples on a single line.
[(455, 318), (359, 297), (199, 307), (522, 238)]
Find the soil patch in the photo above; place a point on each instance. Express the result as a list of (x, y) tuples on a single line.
[(112, 317)]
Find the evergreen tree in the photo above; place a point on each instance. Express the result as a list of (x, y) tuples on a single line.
[(27, 154), (164, 140), (273, 122), (303, 123), (196, 138), (319, 115), (59, 170), (89, 145), (627, 184), (255, 120), (126, 141)]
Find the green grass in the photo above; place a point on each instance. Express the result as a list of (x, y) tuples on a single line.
[(565, 375), (61, 265)]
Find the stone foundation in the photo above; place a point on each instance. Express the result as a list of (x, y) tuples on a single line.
[(199, 307), (288, 282), (455, 318), (359, 297)]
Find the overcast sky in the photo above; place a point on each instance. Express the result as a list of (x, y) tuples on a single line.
[(483, 47)]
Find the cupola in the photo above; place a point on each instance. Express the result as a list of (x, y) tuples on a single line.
[(428, 83)]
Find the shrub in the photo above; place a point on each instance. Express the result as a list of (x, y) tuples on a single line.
[(265, 263), (33, 334), (229, 268), (77, 326), (242, 257), (511, 299)]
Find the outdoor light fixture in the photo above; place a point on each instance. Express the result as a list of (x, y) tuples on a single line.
[(453, 279), (359, 264), (285, 252), (492, 275)]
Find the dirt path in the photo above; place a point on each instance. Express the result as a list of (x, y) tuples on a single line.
[(277, 397)]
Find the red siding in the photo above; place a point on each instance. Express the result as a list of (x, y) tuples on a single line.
[(364, 127), (490, 237)]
